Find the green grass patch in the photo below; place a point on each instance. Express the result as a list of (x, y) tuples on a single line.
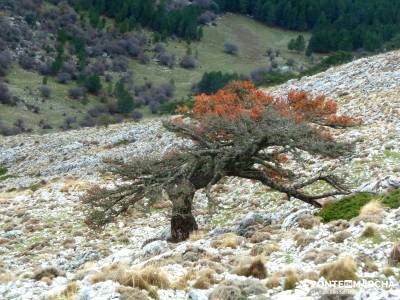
[(3, 171), (349, 207)]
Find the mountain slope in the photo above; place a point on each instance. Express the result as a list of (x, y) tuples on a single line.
[(43, 218)]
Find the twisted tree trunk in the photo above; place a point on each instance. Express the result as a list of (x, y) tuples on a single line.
[(182, 220)]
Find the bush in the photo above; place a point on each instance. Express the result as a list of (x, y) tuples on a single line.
[(258, 75), (213, 81), (144, 58), (45, 91), (27, 62), (171, 107), (76, 93), (349, 207), (93, 84), (64, 77), (167, 60), (207, 17), (5, 62), (188, 62), (98, 110), (231, 48), (5, 97), (120, 64), (136, 115), (154, 106), (88, 121)]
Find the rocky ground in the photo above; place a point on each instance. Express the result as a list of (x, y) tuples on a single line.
[(47, 252)]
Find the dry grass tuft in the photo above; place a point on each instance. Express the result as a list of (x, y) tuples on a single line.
[(70, 293), (270, 248), (205, 279), (394, 258), (344, 268), (49, 273), (291, 280), (308, 222), (302, 239), (274, 281), (6, 277), (388, 271), (148, 278), (155, 277), (197, 235), (229, 240), (372, 212), (341, 236), (370, 230), (256, 268)]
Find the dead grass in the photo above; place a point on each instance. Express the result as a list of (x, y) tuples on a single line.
[(344, 268), (205, 279), (372, 212), (370, 230), (274, 281), (197, 235), (70, 293), (252, 268), (229, 240), (148, 278), (291, 280)]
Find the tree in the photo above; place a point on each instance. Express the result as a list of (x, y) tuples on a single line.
[(124, 99), (93, 84), (298, 44), (237, 132)]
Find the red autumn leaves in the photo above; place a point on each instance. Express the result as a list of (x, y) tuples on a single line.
[(242, 99)]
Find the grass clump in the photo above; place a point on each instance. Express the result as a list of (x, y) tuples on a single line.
[(291, 280), (148, 278), (360, 203), (346, 208), (253, 268), (3, 171), (342, 269)]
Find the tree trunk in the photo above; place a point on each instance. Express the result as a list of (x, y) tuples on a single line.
[(182, 221)]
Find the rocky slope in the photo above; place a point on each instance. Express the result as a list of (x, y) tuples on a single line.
[(47, 251)]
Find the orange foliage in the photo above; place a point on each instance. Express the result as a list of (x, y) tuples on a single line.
[(243, 99)]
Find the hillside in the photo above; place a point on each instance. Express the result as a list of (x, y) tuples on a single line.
[(47, 251), (134, 57)]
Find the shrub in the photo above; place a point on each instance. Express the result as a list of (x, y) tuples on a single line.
[(213, 81), (27, 62), (88, 121), (3, 171), (124, 99), (350, 207), (207, 17), (177, 106), (5, 97), (98, 111), (76, 93), (166, 59), (188, 62), (231, 48), (64, 78), (5, 62), (154, 106), (258, 75), (120, 64), (144, 58), (343, 269), (93, 84), (45, 91), (346, 208), (136, 115)]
